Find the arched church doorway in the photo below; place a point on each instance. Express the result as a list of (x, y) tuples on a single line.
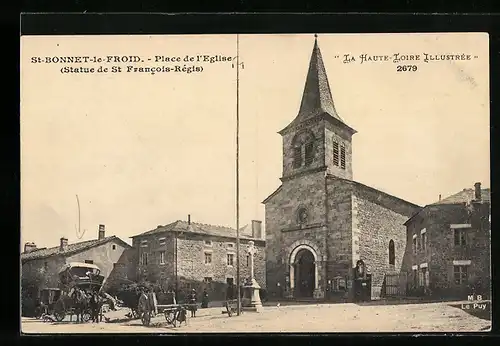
[(304, 274)]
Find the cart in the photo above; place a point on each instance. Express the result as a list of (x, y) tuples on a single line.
[(231, 307), (174, 314)]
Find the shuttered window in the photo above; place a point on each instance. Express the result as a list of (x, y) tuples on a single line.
[(335, 153), (342, 157), (309, 149)]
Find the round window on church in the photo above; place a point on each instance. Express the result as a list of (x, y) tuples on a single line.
[(303, 216)]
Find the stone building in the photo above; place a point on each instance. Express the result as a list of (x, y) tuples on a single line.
[(40, 266), (448, 246), (185, 255), (320, 221)]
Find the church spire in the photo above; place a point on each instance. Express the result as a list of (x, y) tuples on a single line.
[(317, 97)]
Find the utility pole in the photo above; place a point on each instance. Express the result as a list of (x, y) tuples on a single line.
[(238, 174)]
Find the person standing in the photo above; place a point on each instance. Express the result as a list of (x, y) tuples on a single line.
[(152, 301), (204, 299), (94, 306), (193, 304), (143, 302), (171, 297), (230, 292)]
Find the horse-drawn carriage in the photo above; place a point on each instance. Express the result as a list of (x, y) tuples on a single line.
[(78, 282)]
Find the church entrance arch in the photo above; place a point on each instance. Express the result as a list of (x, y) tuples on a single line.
[(303, 271)]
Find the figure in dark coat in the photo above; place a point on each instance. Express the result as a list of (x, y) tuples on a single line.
[(94, 306), (193, 304), (204, 299), (230, 292)]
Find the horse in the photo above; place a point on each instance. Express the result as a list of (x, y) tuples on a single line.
[(80, 304)]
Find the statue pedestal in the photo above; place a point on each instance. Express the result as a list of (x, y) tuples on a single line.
[(253, 296)]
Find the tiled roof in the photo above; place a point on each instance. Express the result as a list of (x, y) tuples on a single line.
[(464, 196), (69, 250), (200, 228)]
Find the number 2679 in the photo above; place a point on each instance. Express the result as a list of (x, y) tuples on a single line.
[(406, 68)]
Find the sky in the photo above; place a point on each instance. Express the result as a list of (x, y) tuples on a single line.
[(142, 150)]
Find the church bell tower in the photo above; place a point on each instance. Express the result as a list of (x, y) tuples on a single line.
[(317, 139)]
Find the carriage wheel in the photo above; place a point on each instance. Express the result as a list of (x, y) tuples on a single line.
[(86, 316), (59, 315), (146, 318), (170, 317)]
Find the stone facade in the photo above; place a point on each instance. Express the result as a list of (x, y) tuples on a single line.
[(176, 259), (430, 262), (358, 222), (379, 219)]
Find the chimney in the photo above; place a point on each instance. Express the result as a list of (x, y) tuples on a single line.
[(63, 244), (439, 197), (29, 246), (256, 229), (477, 191), (189, 219), (102, 232)]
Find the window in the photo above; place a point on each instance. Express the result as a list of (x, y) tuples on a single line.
[(89, 261), (144, 243), (162, 241), (342, 156), (335, 153), (248, 260), (208, 242), (297, 157), (144, 259), (424, 277), (46, 265), (208, 258), (415, 278), (207, 280), (309, 149), (114, 247), (392, 255), (414, 245), (162, 257), (302, 216), (460, 274), (460, 237), (230, 259), (423, 240)]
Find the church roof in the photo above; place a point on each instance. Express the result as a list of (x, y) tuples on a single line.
[(410, 205), (317, 97)]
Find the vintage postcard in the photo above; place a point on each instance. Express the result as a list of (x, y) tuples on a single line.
[(255, 183)]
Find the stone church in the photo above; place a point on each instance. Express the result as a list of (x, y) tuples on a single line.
[(320, 222)]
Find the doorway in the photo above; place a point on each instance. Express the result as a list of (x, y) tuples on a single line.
[(304, 274)]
